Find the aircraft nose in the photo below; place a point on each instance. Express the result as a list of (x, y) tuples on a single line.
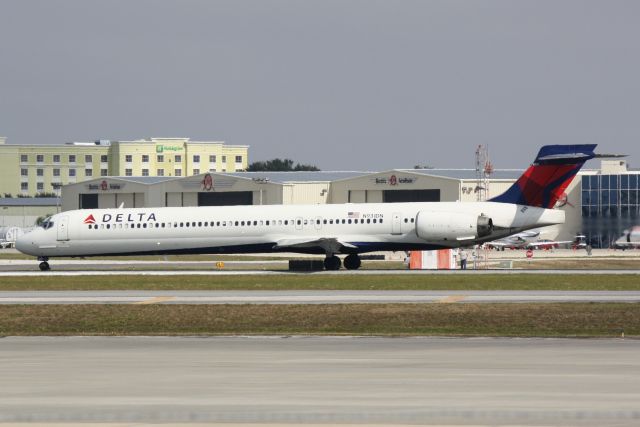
[(25, 243)]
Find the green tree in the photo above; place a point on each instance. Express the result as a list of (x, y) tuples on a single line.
[(279, 165)]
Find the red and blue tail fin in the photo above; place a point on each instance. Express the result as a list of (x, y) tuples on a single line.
[(549, 176)]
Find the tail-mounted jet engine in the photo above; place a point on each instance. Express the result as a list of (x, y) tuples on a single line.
[(439, 226)]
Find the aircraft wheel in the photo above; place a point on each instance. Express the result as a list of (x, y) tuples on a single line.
[(332, 263), (44, 266), (352, 262)]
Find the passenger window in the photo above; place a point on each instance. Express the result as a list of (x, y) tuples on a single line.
[(412, 220), (218, 223), (380, 220), (279, 222), (368, 221), (299, 222), (138, 225), (181, 224), (193, 224), (286, 222), (267, 222), (406, 220), (163, 225), (349, 221)]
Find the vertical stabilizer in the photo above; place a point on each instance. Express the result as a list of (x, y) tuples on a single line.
[(549, 176)]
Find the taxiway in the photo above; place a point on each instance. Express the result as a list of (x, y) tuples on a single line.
[(484, 381)]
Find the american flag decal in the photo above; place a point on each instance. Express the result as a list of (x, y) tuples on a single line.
[(353, 215)]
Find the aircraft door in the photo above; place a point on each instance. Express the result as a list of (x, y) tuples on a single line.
[(63, 228), (318, 223), (396, 223)]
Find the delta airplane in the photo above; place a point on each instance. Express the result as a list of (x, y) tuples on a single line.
[(349, 229)]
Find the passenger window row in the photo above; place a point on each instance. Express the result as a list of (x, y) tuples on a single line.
[(195, 224)]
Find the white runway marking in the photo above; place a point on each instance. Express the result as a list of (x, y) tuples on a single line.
[(285, 272)]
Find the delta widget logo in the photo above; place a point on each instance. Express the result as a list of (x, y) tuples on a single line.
[(89, 220)]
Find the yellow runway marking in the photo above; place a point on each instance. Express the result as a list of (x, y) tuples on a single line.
[(451, 299), (154, 300)]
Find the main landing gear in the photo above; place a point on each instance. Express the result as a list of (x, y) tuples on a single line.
[(351, 262), (44, 265), (332, 263)]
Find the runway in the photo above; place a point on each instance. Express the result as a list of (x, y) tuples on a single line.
[(485, 381), (311, 297)]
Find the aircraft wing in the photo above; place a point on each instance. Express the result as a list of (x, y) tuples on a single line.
[(328, 244), (534, 245)]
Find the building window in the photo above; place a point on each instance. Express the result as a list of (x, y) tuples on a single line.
[(238, 159), (24, 158), (128, 172), (212, 158), (103, 158), (56, 158), (24, 172), (40, 186), (196, 158), (224, 159), (72, 158), (40, 172), (178, 158), (72, 172), (160, 172), (88, 172), (88, 158), (160, 158), (145, 158), (178, 172), (196, 171), (104, 172), (128, 158), (39, 158), (56, 172), (145, 172), (24, 186)]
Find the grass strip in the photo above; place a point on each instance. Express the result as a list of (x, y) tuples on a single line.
[(325, 282), (514, 320)]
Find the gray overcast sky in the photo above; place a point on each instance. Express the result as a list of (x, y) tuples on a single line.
[(342, 84)]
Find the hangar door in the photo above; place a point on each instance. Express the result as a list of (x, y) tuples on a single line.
[(400, 196), (88, 201), (227, 198)]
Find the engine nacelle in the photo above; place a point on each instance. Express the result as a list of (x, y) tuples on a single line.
[(439, 226)]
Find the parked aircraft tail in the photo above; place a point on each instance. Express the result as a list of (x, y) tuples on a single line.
[(549, 176)]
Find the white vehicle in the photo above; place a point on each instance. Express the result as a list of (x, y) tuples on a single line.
[(349, 229), (630, 239)]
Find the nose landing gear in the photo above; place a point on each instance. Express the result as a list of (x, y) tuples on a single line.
[(44, 265)]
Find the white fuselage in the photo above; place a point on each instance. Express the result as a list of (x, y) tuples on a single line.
[(244, 229)]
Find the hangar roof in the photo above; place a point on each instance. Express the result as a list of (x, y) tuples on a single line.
[(468, 173), (299, 176)]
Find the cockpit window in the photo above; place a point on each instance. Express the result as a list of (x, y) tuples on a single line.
[(47, 223)]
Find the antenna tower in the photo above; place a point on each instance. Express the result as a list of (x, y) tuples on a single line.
[(484, 169)]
